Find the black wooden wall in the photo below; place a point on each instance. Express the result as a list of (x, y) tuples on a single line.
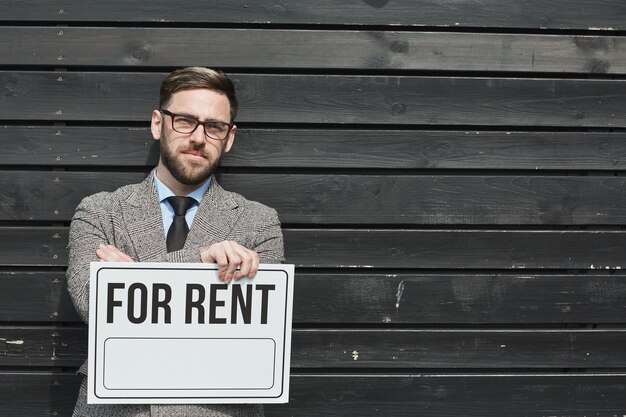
[(450, 176)]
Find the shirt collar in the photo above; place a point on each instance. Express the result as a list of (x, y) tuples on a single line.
[(163, 191)]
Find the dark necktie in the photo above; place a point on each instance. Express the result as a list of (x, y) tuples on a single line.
[(177, 234)]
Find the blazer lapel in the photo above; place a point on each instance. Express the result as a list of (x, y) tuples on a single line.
[(215, 218), (144, 221)]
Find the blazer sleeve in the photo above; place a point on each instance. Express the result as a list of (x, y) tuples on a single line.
[(87, 232), (269, 240)]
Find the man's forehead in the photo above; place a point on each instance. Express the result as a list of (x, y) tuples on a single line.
[(199, 100)]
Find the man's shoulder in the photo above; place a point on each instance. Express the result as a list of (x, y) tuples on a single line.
[(250, 207), (107, 199)]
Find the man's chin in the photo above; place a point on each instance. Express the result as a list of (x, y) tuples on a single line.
[(192, 179), (189, 171)]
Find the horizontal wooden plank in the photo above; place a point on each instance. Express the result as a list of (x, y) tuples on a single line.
[(34, 246), (269, 48), (36, 297), (406, 298), (78, 146), (356, 199), (562, 14), (310, 148), (574, 395), (436, 199), (58, 186), (29, 394), (42, 346), (466, 249), (418, 298), (323, 99), (449, 199), (458, 349), (371, 349), (383, 248)]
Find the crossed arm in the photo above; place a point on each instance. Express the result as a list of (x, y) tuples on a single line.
[(95, 235)]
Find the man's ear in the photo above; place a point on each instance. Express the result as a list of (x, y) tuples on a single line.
[(230, 139), (156, 124)]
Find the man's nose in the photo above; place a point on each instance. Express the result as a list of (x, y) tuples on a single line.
[(197, 136)]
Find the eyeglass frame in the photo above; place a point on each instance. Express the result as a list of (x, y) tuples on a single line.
[(198, 123)]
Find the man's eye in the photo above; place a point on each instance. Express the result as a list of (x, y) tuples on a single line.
[(216, 126), (185, 121)]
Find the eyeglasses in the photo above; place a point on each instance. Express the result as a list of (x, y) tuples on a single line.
[(213, 129)]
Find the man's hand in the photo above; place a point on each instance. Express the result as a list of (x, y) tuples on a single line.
[(109, 253), (229, 256)]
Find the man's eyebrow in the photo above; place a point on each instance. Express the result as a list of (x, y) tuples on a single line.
[(186, 115), (198, 119)]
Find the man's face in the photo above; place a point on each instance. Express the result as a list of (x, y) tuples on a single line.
[(191, 158)]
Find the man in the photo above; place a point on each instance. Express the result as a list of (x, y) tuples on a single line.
[(143, 223)]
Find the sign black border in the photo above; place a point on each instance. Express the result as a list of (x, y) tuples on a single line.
[(93, 374)]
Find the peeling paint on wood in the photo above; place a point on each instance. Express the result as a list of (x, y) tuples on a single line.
[(399, 293)]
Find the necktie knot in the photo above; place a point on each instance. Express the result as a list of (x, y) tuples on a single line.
[(181, 204)]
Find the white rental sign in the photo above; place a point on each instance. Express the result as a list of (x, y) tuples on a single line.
[(173, 333)]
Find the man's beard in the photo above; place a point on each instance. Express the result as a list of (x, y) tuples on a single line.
[(182, 172)]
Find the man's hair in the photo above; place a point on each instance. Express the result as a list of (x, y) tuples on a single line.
[(199, 77)]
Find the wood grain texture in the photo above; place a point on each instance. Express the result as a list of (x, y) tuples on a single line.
[(344, 298), (423, 149), (78, 146), (562, 14), (371, 349), (29, 246), (32, 394), (323, 99), (457, 298), (42, 346), (355, 199), (385, 248), (41, 393), (35, 296), (324, 49), (574, 395), (457, 349), (442, 199), (457, 249), (325, 148), (55, 194)]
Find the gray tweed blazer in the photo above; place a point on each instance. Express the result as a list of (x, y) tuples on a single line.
[(130, 219)]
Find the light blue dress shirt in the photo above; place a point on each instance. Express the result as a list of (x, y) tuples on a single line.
[(166, 208)]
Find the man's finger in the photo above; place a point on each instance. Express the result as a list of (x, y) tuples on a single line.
[(246, 262), (218, 255), (255, 265), (229, 256), (249, 265), (234, 260), (109, 253)]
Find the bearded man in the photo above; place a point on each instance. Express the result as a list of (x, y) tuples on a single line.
[(179, 213)]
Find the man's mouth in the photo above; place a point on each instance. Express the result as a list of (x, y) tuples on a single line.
[(196, 155)]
